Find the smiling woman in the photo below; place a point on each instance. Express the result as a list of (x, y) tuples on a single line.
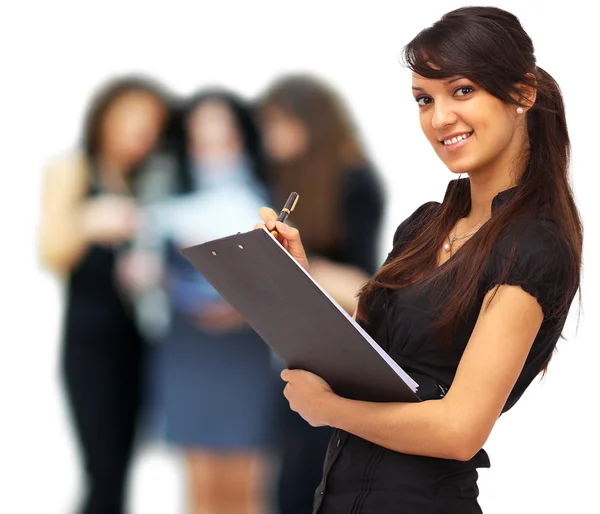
[(467, 301), (453, 111)]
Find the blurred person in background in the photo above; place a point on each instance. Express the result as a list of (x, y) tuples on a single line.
[(313, 149), (88, 213), (213, 381)]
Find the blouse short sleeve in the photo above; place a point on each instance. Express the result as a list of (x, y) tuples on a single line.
[(534, 255)]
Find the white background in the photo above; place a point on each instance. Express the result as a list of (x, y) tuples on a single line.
[(544, 452)]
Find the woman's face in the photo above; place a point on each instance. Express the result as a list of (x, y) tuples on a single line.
[(285, 137), (212, 130), (131, 127), (468, 128)]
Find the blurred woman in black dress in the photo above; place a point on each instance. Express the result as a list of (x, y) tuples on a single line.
[(88, 213)]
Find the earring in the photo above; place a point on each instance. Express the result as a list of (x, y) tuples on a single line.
[(519, 110)]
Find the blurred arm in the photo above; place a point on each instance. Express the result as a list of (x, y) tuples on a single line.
[(62, 238), (342, 282)]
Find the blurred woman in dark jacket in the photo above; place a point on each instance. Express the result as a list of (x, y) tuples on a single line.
[(313, 149)]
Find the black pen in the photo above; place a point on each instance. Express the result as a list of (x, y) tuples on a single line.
[(287, 209)]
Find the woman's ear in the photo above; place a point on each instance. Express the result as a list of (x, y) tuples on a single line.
[(526, 92)]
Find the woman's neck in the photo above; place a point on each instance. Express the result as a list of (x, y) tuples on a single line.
[(483, 192), (496, 177), (111, 174), (217, 160)]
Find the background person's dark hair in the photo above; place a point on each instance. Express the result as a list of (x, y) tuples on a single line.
[(245, 120), (332, 148), (107, 95), (167, 143), (489, 47)]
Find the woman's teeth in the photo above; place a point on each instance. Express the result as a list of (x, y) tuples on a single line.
[(457, 138)]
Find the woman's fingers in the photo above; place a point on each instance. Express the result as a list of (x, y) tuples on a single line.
[(267, 214), (269, 217), (288, 236), (292, 236)]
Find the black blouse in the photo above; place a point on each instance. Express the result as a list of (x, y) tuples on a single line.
[(361, 207), (362, 204), (362, 477)]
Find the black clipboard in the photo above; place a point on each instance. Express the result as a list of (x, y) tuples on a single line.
[(305, 327)]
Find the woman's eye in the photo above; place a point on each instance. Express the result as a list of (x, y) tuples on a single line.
[(463, 91), (423, 100)]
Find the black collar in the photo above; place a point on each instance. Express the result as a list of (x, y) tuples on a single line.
[(502, 198)]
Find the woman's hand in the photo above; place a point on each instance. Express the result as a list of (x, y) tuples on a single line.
[(109, 219), (308, 395), (288, 236), (139, 270), (218, 318)]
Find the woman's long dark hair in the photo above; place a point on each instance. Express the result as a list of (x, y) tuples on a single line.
[(333, 148), (107, 95), (489, 47), (245, 121)]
